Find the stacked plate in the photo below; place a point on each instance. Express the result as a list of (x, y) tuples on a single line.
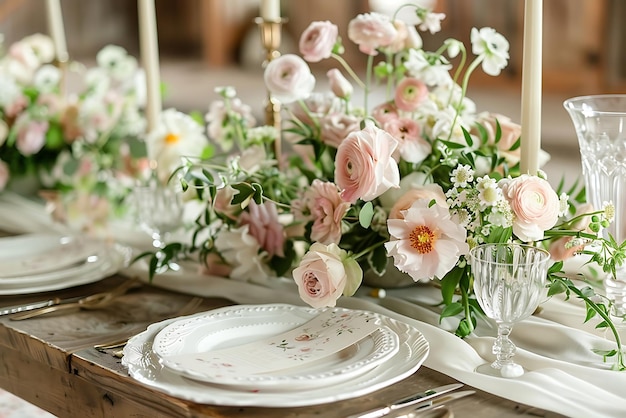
[(34, 263), (393, 351)]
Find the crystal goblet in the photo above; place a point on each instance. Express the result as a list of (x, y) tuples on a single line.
[(509, 283), (159, 210)]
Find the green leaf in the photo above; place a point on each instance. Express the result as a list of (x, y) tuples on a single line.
[(366, 214), (245, 192), (556, 287), (449, 284), (378, 260), (452, 309)]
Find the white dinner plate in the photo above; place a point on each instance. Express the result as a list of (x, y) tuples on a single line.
[(237, 325), (31, 254), (112, 261), (143, 365)]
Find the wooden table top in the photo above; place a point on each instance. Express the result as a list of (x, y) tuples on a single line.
[(51, 362)]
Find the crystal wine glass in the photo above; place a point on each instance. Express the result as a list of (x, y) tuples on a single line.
[(509, 283), (159, 210)]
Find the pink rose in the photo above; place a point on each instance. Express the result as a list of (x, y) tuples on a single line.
[(339, 85), (410, 94), (327, 210), (427, 193), (412, 147), (534, 203), (371, 31), (318, 40), (31, 137), (4, 174), (364, 167), (337, 126), (289, 78), (324, 274), (263, 224)]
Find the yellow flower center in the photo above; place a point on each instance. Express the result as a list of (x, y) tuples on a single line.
[(171, 138), (422, 239)]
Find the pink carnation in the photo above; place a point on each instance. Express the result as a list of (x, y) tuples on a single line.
[(263, 224), (327, 210)]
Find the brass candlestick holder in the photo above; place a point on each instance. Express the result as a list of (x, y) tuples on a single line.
[(270, 39)]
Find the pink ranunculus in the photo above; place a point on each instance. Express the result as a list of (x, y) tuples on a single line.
[(364, 167), (558, 250), (337, 126), (289, 78), (4, 175), (263, 224), (426, 193), (534, 203), (318, 40), (17, 106), (426, 243), (327, 210), (31, 137), (324, 274), (371, 31), (410, 94), (385, 112), (339, 85), (412, 147)]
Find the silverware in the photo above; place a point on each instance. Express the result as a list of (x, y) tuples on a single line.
[(408, 401), (95, 301), (36, 305), (436, 404)]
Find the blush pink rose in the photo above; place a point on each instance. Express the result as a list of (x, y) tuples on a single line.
[(412, 147), (31, 137), (289, 78), (534, 203), (371, 31), (4, 174), (339, 85), (337, 126), (318, 40), (327, 210), (410, 94), (364, 167), (263, 224), (324, 274), (427, 193)]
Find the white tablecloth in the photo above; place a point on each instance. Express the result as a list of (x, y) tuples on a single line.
[(555, 346)]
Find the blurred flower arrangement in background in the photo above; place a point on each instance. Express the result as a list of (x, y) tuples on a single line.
[(75, 132)]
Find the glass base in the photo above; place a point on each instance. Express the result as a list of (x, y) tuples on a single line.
[(511, 370)]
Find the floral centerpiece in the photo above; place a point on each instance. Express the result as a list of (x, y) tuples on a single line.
[(410, 183), (77, 129)]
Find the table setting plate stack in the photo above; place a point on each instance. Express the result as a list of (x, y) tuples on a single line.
[(42, 262), (274, 355)]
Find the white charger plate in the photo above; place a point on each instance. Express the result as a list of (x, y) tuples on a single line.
[(237, 325), (144, 366), (32, 254), (112, 261)]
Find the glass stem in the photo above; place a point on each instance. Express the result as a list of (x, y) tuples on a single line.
[(503, 347)]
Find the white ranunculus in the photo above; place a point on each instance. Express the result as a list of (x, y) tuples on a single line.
[(289, 79), (493, 47)]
